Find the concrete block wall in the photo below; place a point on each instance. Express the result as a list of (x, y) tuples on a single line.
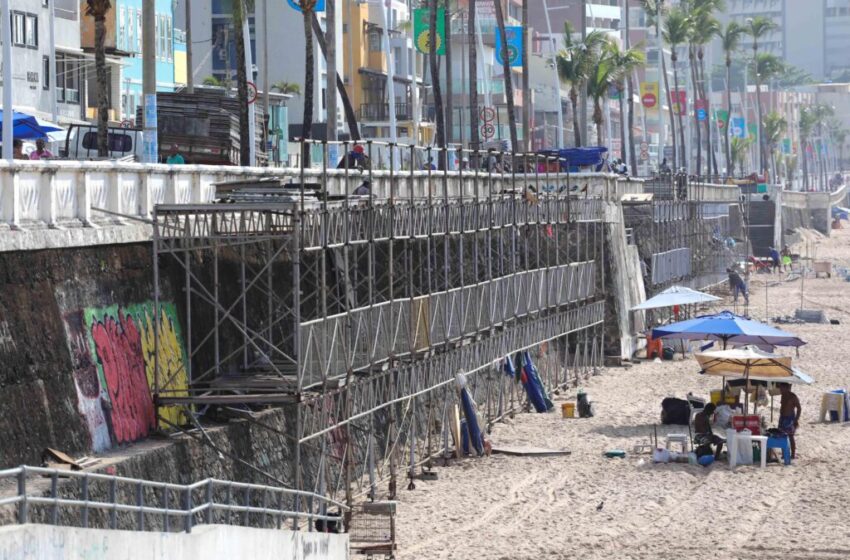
[(46, 542)]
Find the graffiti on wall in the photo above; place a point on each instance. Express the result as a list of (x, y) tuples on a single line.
[(114, 359)]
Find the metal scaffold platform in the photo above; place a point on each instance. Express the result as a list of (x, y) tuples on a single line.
[(356, 311)]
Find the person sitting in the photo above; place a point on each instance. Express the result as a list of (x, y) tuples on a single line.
[(18, 149), (704, 435)]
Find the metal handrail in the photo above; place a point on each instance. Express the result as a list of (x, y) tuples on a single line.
[(185, 509)]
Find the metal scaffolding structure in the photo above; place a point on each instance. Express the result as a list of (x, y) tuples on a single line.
[(352, 297)]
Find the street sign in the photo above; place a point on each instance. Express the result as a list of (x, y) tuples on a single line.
[(296, 5), (701, 107), (649, 94), (513, 36), (488, 131), (722, 117), (252, 92), (644, 146), (150, 110), (488, 114), (644, 155)]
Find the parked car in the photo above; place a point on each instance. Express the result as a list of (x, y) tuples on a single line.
[(123, 143)]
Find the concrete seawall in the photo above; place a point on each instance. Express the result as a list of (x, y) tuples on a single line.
[(44, 542)]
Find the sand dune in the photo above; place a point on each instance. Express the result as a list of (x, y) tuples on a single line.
[(511, 508)]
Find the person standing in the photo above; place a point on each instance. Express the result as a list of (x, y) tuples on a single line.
[(40, 151), (789, 415), (776, 260), (174, 157), (738, 286)]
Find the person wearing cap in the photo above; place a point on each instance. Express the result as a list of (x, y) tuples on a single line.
[(40, 151), (174, 157)]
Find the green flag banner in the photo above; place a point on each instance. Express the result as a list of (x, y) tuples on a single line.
[(422, 30), (753, 129)]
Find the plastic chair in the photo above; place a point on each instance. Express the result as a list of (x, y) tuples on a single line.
[(783, 444), (831, 402), (681, 439)]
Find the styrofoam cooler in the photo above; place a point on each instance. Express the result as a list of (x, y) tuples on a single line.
[(745, 450)]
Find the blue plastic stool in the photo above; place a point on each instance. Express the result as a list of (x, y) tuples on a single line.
[(780, 443)]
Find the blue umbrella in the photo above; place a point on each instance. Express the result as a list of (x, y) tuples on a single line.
[(28, 127), (728, 327)]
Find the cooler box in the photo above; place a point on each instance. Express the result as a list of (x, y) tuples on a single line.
[(752, 422), (716, 395)]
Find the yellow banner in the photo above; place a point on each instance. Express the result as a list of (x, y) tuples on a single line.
[(649, 94)]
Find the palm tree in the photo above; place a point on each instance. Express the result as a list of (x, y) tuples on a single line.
[(757, 28), (605, 74), (98, 9), (506, 69), (240, 11), (307, 13), (765, 67), (575, 63), (625, 63), (739, 147), (730, 39), (675, 34), (435, 77), (774, 128), (212, 81), (473, 80), (287, 88), (808, 121), (654, 11), (704, 27), (347, 107)]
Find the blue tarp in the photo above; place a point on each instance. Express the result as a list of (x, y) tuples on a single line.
[(472, 427), (27, 127), (727, 327), (577, 157)]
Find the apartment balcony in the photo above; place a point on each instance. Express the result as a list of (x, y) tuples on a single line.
[(380, 112)]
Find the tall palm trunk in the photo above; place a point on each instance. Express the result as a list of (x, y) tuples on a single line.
[(450, 124), (242, 84), (307, 7), (727, 129), (761, 126), (435, 78), (473, 80), (682, 147), (506, 68), (803, 145), (622, 104), (597, 120), (709, 133), (574, 105), (630, 92), (670, 108), (695, 89), (102, 84), (347, 107)]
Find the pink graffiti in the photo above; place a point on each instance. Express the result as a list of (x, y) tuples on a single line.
[(119, 350)]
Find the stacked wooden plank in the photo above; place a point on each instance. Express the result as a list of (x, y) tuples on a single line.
[(204, 126)]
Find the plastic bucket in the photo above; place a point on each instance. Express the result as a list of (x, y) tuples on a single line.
[(568, 410)]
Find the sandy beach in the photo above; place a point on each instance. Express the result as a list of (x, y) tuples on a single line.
[(510, 508)]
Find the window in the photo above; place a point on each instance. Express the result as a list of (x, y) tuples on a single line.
[(67, 79), (31, 30), (116, 141), (18, 24), (138, 31), (375, 40), (45, 72), (169, 40), (122, 30)]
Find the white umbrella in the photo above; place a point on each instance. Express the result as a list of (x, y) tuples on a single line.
[(677, 295)]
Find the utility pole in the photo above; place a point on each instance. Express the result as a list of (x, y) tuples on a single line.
[(151, 152), (249, 68), (51, 70), (330, 41), (190, 79), (266, 86), (526, 86), (8, 123), (583, 92)]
